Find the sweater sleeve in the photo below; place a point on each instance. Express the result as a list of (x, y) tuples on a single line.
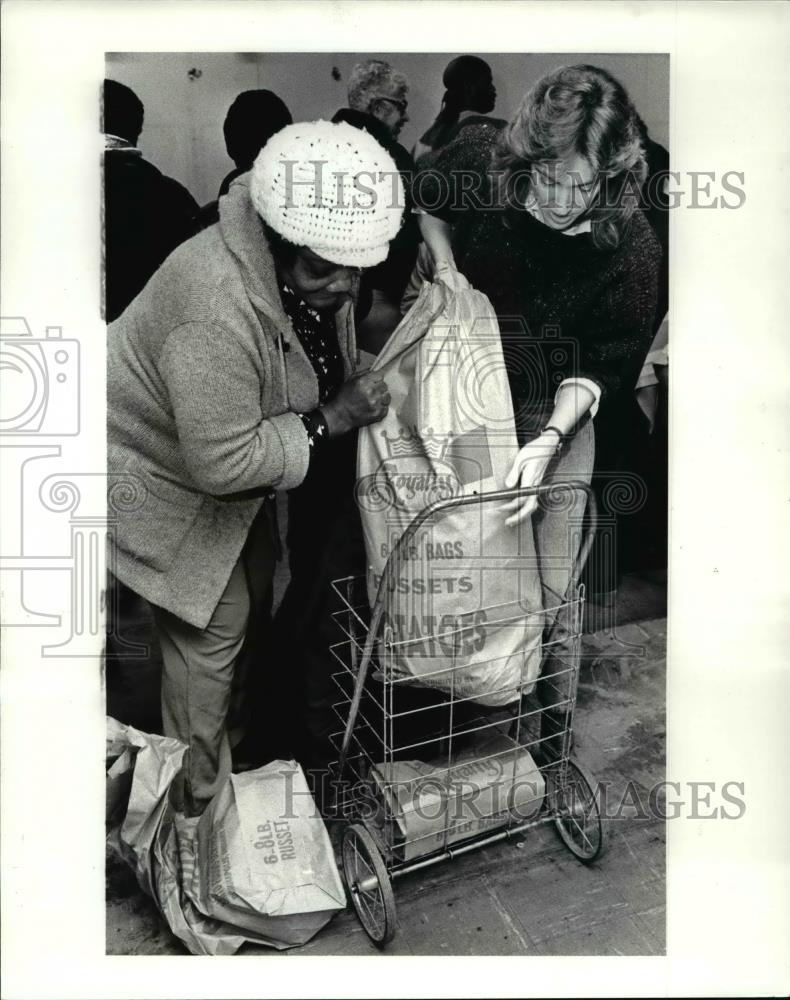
[(229, 447), (455, 179), (617, 333)]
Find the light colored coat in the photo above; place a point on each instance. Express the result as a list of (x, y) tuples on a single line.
[(205, 376)]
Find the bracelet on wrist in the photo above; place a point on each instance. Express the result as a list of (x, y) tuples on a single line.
[(550, 428)]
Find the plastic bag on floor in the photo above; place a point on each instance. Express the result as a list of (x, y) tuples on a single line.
[(464, 608), (141, 769), (257, 866), (201, 934)]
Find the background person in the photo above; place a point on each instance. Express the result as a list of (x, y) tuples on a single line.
[(146, 215), (641, 448), (220, 391), (375, 88), (469, 96), (377, 103), (252, 119)]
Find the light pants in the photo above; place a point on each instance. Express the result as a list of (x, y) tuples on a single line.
[(197, 678), (198, 671)]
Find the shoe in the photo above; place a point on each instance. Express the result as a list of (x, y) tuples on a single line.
[(603, 599)]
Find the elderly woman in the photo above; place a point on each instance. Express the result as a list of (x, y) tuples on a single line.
[(542, 217), (227, 376)]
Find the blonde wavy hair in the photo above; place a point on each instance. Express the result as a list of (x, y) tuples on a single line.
[(578, 110)]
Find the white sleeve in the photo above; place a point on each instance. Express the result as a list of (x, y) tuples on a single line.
[(588, 383), (647, 377)]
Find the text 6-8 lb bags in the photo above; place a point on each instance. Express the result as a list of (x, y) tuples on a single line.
[(463, 610)]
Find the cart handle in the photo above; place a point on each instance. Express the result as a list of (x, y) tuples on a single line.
[(439, 507)]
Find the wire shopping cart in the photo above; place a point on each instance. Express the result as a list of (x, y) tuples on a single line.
[(423, 774)]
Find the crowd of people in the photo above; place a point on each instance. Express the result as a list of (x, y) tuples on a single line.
[(234, 355)]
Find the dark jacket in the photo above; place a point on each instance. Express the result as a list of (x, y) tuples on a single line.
[(146, 216)]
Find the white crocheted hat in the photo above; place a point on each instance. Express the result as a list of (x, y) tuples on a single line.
[(332, 188)]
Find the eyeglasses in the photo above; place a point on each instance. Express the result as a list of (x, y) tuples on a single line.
[(400, 105)]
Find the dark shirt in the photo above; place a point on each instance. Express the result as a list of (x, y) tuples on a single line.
[(332, 460), (318, 336)]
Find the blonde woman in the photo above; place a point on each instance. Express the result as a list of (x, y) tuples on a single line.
[(542, 216)]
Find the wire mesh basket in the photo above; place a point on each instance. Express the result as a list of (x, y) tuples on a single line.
[(424, 772)]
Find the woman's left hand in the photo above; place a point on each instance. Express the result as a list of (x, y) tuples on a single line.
[(528, 469)]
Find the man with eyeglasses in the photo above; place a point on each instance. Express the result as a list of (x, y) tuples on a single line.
[(377, 103), (375, 88)]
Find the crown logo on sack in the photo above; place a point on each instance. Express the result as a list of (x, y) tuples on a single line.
[(409, 444)]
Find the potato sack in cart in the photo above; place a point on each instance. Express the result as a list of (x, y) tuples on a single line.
[(459, 651)]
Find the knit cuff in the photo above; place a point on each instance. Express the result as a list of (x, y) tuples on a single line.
[(296, 450)]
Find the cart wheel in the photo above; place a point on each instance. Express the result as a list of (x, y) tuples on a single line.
[(577, 813), (369, 884)]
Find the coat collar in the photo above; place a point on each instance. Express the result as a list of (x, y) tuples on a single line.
[(243, 234), (368, 122)]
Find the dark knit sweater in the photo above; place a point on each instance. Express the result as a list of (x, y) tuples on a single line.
[(566, 308), (451, 134)]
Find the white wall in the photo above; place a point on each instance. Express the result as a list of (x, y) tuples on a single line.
[(182, 134)]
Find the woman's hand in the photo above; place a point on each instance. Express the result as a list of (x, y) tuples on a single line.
[(437, 235), (572, 402), (528, 470), (363, 399)]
